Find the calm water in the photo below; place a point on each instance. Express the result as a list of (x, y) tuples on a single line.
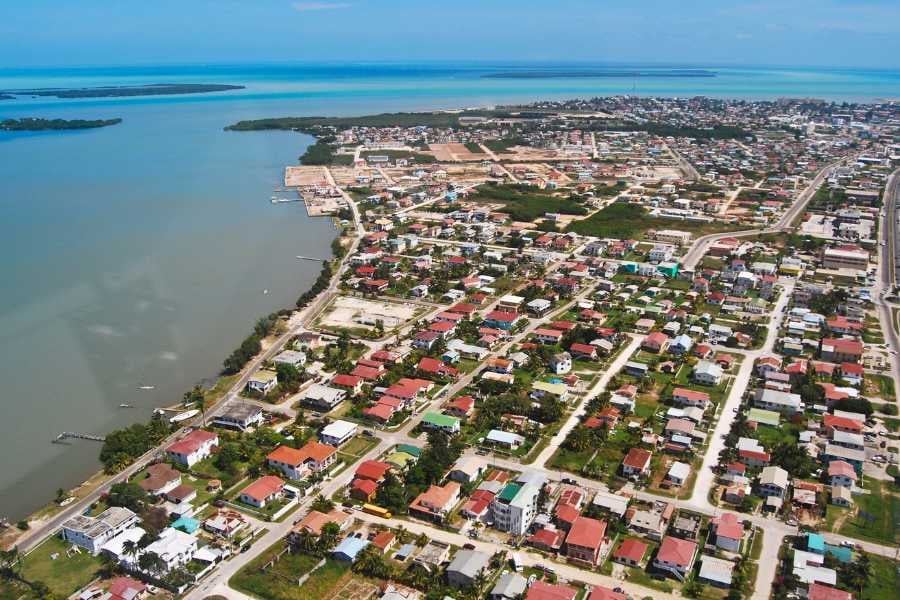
[(138, 254)]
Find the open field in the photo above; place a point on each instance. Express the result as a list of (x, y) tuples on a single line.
[(883, 581), (303, 176), (455, 152), (526, 203), (877, 515), (631, 221), (63, 574), (280, 581), (359, 313)]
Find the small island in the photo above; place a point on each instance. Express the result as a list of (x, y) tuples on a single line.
[(599, 74), (36, 124), (7, 97), (155, 89)]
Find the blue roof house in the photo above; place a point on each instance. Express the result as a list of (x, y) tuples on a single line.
[(349, 549)]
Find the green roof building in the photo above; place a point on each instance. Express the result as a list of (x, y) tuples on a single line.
[(446, 423), (764, 417), (409, 449)]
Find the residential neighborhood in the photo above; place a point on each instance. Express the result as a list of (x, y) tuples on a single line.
[(553, 360)]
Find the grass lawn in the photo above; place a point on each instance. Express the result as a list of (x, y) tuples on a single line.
[(278, 583), (877, 517), (63, 575), (321, 583), (622, 221), (640, 577), (832, 514), (882, 584), (206, 469), (467, 365), (356, 448), (770, 436), (606, 457), (756, 548), (885, 386)]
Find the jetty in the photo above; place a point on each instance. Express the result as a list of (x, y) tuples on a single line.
[(66, 435), (310, 258)]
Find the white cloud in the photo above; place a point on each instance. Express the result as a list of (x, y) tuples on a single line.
[(309, 6)]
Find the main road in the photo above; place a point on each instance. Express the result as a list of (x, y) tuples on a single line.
[(886, 282), (698, 248)]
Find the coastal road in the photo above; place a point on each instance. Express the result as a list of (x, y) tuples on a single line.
[(34, 536), (698, 248)]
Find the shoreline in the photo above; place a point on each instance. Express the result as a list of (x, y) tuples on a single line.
[(221, 390)]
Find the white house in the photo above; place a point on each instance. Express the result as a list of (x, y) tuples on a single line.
[(323, 397), (561, 363), (262, 382), (176, 548), (293, 358), (338, 432), (193, 447), (239, 415), (91, 533), (785, 403), (773, 481), (678, 473), (707, 373)]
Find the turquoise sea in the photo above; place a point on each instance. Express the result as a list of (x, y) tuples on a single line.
[(140, 254)]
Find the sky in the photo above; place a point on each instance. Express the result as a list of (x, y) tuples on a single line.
[(836, 33)]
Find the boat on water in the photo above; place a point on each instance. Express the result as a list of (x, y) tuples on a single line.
[(184, 416), (123, 405), (147, 387), (284, 200)]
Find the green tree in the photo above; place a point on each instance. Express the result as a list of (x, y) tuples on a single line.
[(329, 537), (322, 504), (228, 457), (152, 563), (128, 495)]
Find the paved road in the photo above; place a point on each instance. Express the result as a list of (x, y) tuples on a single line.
[(698, 248), (740, 384), (529, 559), (598, 388), (34, 536), (887, 276), (690, 172)]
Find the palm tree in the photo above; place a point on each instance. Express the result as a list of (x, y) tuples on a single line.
[(328, 538), (131, 548), (307, 543), (152, 563), (371, 563)]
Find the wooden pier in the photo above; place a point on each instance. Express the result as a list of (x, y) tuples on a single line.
[(66, 435)]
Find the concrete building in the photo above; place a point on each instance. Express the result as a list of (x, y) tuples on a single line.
[(515, 507), (91, 533)]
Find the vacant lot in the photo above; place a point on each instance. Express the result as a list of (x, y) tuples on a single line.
[(278, 582), (64, 575), (525, 203), (630, 221), (358, 313), (883, 581), (877, 515)]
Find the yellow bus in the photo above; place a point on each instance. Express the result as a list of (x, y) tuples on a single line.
[(377, 511)]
